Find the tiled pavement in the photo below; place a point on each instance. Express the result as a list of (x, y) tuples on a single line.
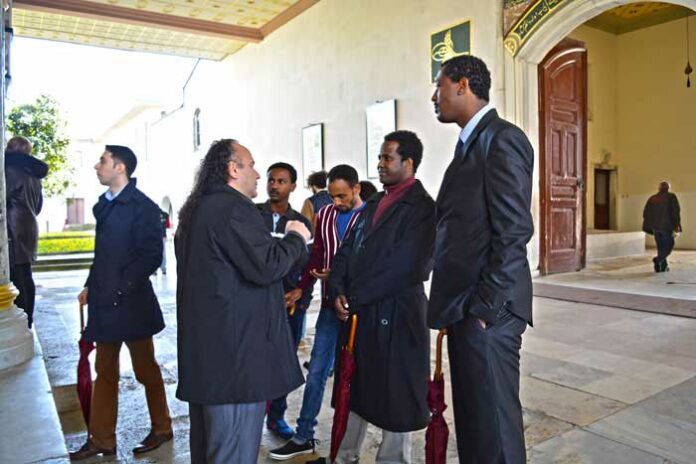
[(599, 384)]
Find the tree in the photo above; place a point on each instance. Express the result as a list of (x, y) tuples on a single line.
[(41, 123)]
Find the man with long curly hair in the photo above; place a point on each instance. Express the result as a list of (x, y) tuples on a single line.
[(234, 346)]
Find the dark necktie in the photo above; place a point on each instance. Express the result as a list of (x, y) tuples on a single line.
[(458, 150)]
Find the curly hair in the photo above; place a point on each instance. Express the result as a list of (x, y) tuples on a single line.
[(211, 172), (473, 69), (410, 146)]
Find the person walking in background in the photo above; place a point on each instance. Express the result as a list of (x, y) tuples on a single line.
[(24, 199), (481, 285), (320, 197), (367, 190), (235, 350), (123, 307), (165, 223), (276, 213), (662, 219), (334, 225)]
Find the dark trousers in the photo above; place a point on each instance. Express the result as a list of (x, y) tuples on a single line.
[(278, 406), (20, 275), (665, 244), (485, 370)]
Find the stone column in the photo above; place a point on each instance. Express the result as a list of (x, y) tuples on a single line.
[(16, 341)]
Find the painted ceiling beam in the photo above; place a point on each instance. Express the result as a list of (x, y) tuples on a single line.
[(283, 18), (91, 10)]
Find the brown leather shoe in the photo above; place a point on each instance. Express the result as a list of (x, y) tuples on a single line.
[(151, 442), (89, 450)]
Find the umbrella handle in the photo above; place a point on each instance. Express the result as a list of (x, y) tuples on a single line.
[(82, 318), (438, 353), (353, 327)]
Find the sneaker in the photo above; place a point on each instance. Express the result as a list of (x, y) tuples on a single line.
[(292, 449), (280, 428)]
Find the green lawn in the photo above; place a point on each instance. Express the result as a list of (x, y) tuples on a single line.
[(66, 242)]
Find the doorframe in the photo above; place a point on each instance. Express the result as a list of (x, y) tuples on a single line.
[(521, 82), (572, 45)]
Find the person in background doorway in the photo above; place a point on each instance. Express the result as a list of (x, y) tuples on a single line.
[(320, 197), (367, 190), (23, 174), (276, 213), (662, 219)]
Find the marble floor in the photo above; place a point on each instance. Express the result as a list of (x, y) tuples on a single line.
[(599, 384)]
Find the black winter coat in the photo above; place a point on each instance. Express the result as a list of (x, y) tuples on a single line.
[(234, 341), (662, 213), (483, 226), (381, 270), (127, 250), (23, 174)]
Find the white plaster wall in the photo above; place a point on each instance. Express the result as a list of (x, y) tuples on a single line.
[(327, 66)]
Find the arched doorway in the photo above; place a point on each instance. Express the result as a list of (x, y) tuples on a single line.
[(522, 82)]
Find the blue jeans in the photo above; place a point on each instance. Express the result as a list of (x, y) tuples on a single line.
[(276, 410), (320, 364), (665, 244)]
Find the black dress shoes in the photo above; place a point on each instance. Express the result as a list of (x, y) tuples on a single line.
[(89, 450), (151, 442)]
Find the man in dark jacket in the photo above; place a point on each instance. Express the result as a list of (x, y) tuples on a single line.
[(234, 344), (276, 212), (481, 285), (378, 274), (123, 307), (662, 219), (23, 174), (320, 197)]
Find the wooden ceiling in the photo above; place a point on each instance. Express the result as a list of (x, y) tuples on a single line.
[(638, 15), (211, 29)]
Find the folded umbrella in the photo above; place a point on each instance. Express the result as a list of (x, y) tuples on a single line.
[(342, 398), (437, 433), (84, 372)]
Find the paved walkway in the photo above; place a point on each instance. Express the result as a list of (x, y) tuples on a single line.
[(599, 385)]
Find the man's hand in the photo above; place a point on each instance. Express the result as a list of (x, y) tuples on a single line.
[(292, 296), (82, 297), (341, 306), (300, 228), (321, 274)]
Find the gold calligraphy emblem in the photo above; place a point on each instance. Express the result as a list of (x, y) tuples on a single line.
[(443, 51)]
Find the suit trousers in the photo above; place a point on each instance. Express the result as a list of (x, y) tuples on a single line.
[(226, 433), (485, 370), (102, 421), (395, 448)]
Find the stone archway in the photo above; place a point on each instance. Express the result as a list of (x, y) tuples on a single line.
[(521, 78)]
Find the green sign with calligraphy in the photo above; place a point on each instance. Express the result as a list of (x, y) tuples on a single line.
[(448, 43)]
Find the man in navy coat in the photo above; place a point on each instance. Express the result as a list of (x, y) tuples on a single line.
[(123, 307)]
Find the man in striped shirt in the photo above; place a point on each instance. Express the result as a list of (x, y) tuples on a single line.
[(333, 223)]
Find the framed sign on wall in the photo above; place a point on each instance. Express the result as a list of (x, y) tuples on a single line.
[(312, 149), (381, 120), (448, 43)]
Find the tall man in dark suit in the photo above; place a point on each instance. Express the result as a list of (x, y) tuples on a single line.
[(481, 285)]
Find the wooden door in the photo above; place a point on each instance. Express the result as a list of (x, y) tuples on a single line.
[(602, 199), (563, 140)]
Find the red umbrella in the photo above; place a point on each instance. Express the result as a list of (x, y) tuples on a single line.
[(437, 433), (342, 398), (84, 372)]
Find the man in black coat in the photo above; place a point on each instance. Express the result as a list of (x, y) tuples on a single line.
[(662, 219), (23, 174), (234, 344), (276, 213), (378, 274), (123, 307), (481, 285)]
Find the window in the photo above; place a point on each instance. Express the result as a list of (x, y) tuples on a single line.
[(197, 129)]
